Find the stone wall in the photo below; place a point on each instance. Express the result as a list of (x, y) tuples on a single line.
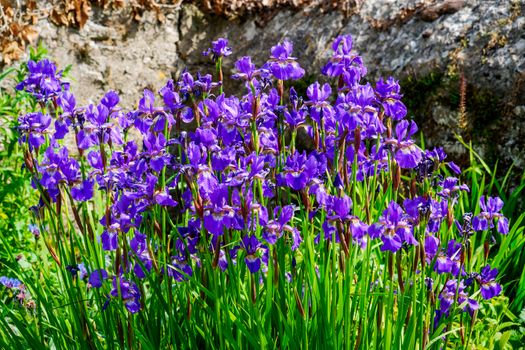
[(431, 46)]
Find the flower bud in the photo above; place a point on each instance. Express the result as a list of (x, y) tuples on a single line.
[(28, 159)]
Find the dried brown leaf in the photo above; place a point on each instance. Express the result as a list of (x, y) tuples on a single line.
[(9, 12), (160, 16), (70, 5), (58, 17), (29, 33), (31, 5), (14, 28), (12, 52), (82, 10)]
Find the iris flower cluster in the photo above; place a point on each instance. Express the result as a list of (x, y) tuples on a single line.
[(233, 180)]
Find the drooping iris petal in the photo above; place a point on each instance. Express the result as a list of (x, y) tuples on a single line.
[(503, 225), (84, 191), (97, 277), (253, 263), (391, 242), (109, 240)]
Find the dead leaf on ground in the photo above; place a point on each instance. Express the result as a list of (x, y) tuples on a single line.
[(29, 34), (82, 10), (12, 52), (58, 17)]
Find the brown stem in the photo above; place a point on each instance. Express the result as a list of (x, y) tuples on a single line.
[(342, 238), (188, 307), (253, 290)]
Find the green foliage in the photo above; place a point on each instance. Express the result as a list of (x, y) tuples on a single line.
[(15, 191), (509, 250)]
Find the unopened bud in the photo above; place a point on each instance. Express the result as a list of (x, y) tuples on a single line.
[(450, 217), (28, 160), (396, 177)]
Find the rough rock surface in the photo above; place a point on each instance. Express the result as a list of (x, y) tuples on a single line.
[(427, 44)]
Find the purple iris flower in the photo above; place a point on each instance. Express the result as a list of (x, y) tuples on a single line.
[(224, 158), (174, 103), (251, 167), (49, 168), (431, 247), (246, 70), (393, 228), (344, 62), (438, 211), (187, 84), (109, 238), (449, 261), (318, 101), (70, 168), (487, 280), (219, 214), (151, 196), (339, 208), (205, 83), (439, 155), (233, 119), (295, 117), (417, 208), (490, 210), (33, 127), (66, 100), (207, 182), (82, 271), (451, 188), (425, 168), (147, 103), (223, 260), (275, 228), (206, 136), (100, 127), (155, 151), (34, 230), (219, 48), (58, 167), (358, 229), (147, 116), (139, 247), (252, 246), (83, 191), (390, 98), (129, 292), (282, 65), (300, 169), (189, 237), (42, 81), (407, 154), (268, 140), (448, 296), (180, 269)]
